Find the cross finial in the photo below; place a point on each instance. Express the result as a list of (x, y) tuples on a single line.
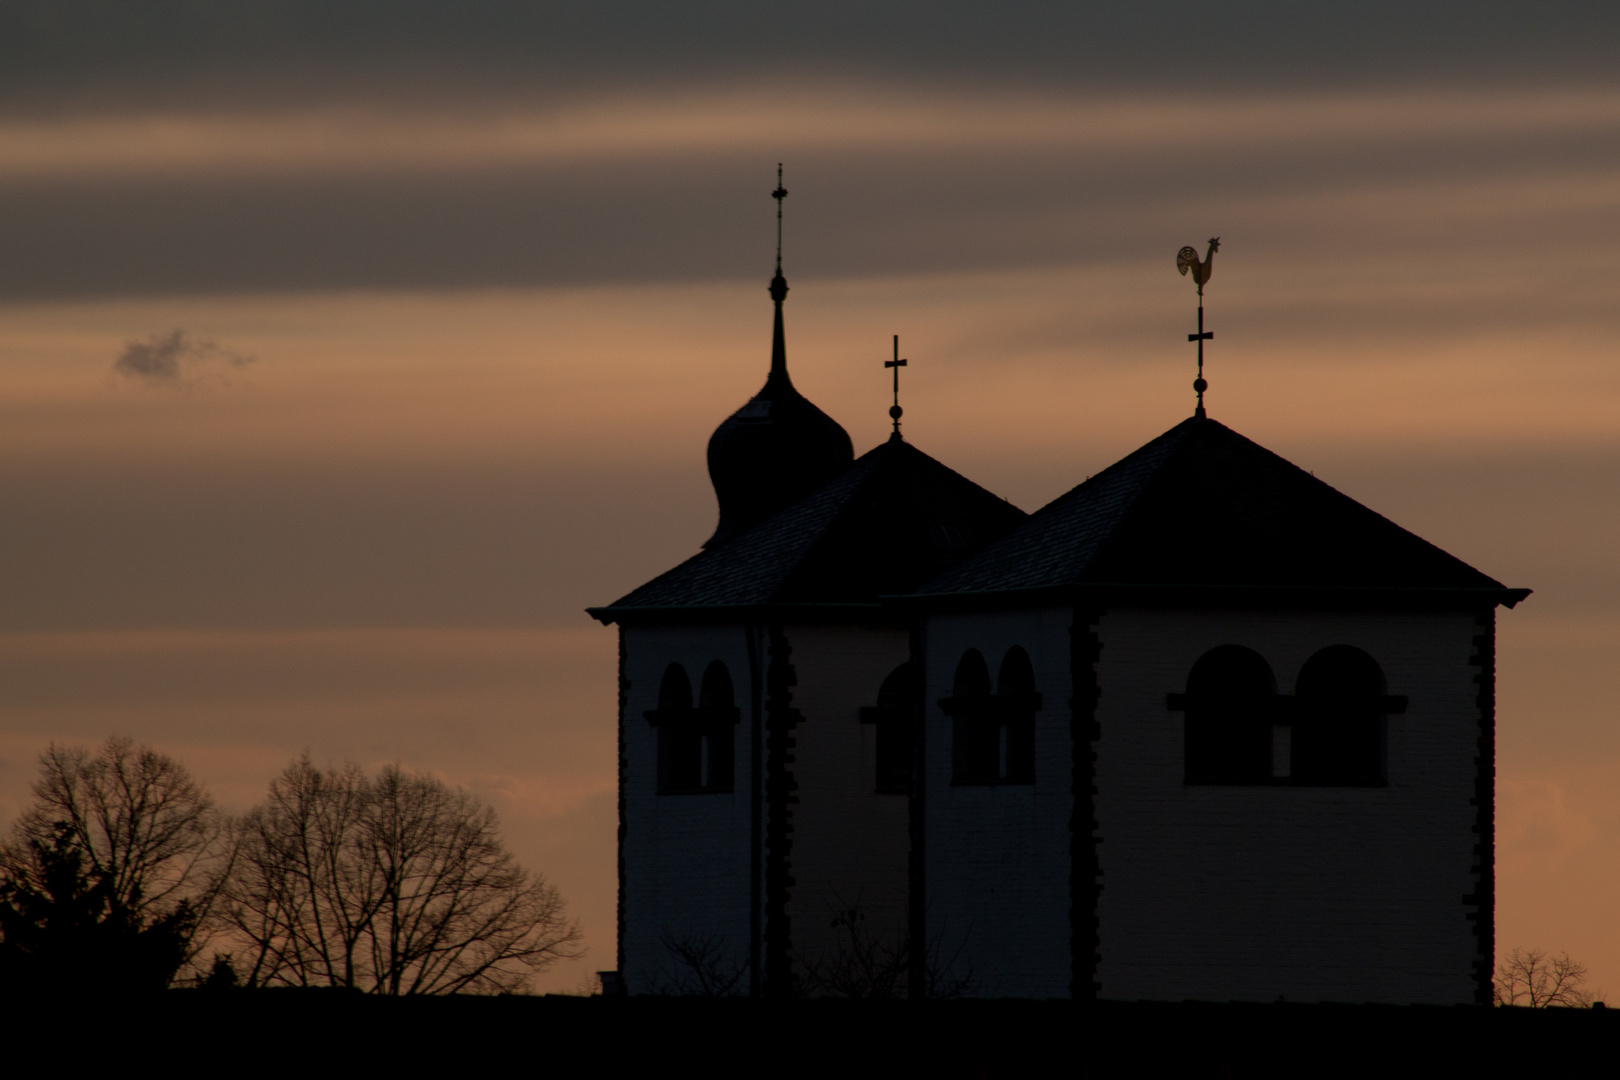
[(895, 411), (779, 194)]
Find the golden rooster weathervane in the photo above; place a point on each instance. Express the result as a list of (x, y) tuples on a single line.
[(1187, 259)]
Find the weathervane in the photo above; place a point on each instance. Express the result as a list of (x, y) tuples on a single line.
[(895, 411), (1187, 259)]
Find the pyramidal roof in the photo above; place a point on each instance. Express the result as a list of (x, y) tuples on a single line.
[(892, 520), (1202, 506)]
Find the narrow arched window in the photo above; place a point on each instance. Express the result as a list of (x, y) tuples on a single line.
[(1230, 707), (894, 728), (717, 725), (976, 736), (1016, 703), (1339, 719), (679, 742)]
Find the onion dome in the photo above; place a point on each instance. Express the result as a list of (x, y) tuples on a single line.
[(779, 447)]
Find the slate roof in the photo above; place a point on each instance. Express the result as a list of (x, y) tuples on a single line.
[(1203, 506), (894, 519)]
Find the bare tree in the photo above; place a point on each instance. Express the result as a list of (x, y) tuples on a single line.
[(147, 835), (1532, 978), (700, 965), (864, 963), (393, 884)]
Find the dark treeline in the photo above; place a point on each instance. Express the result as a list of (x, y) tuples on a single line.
[(124, 876)]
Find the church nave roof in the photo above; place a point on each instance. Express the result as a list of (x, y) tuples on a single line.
[(1202, 506), (891, 521)]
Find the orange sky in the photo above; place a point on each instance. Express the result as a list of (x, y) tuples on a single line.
[(374, 540)]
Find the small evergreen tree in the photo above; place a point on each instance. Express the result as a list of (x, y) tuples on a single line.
[(64, 928)]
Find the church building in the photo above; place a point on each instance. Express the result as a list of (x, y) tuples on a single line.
[(1201, 728)]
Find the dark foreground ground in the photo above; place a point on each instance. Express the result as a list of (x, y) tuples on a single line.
[(321, 1032)]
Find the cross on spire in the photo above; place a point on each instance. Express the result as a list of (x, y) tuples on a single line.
[(895, 411), (1199, 385)]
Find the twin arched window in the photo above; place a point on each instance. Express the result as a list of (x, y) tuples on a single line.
[(695, 744), (1240, 731), (993, 737)]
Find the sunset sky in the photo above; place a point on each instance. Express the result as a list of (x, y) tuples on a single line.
[(462, 289)]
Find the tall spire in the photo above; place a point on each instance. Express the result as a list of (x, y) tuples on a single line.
[(779, 447), (779, 287)]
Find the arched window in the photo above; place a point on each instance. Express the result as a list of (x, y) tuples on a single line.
[(694, 744), (1016, 702), (717, 727), (976, 740), (1230, 705), (1339, 718), (893, 719), (994, 734), (679, 752)]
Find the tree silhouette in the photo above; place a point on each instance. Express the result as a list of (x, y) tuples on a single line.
[(1532, 978), (117, 862), (393, 884), (65, 927)]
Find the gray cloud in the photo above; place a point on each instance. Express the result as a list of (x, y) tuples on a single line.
[(164, 359), (57, 54), (667, 215)]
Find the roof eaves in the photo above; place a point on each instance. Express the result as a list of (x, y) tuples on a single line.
[(1202, 595), (728, 612)]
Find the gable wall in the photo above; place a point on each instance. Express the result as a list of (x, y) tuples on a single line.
[(1344, 894), (850, 843), (684, 858), (998, 856)]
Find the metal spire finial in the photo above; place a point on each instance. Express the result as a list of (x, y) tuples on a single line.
[(1187, 259), (895, 412), (779, 194), (778, 287)]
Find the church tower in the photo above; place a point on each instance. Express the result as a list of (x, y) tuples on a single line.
[(767, 701)]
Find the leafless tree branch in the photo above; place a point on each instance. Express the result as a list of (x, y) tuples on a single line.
[(394, 884), (1536, 979), (700, 965), (142, 823)]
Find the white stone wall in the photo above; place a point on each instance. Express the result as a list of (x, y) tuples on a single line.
[(998, 856), (686, 857), (850, 843), (1308, 894)]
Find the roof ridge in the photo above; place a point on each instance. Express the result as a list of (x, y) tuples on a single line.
[(1203, 504)]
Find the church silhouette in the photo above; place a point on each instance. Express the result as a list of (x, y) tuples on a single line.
[(1201, 728)]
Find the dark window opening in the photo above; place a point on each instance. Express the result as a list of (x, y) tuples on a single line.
[(894, 729), (695, 744), (1340, 719), (1231, 707), (993, 733), (1016, 703), (717, 723)]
